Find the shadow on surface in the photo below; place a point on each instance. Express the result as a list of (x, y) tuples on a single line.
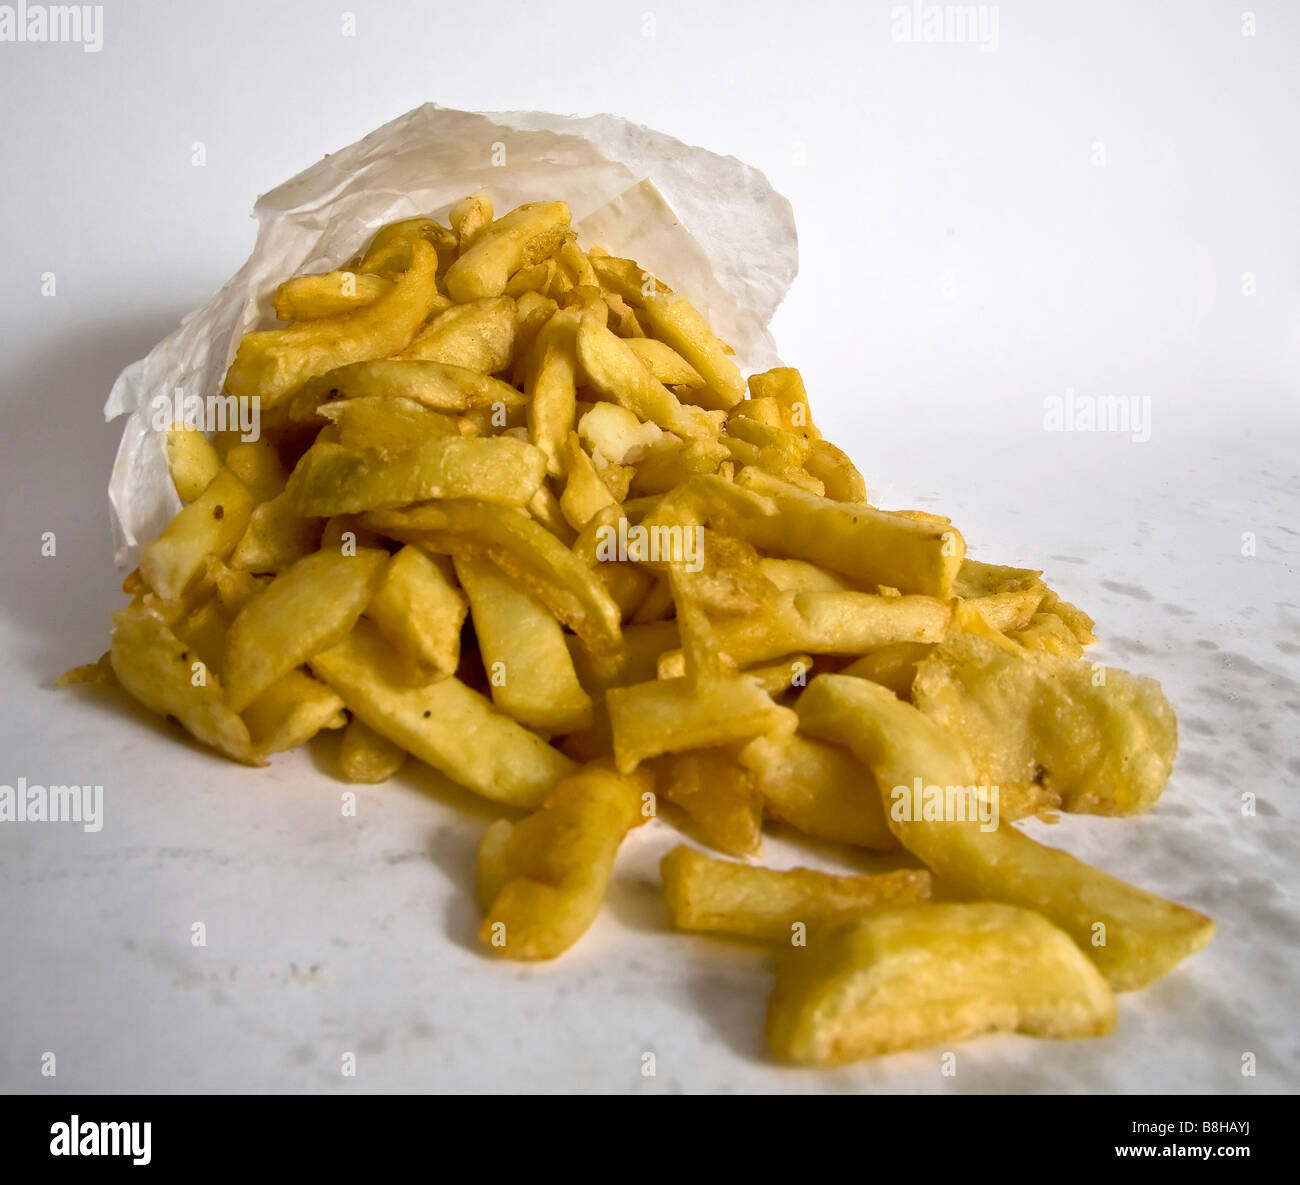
[(58, 455)]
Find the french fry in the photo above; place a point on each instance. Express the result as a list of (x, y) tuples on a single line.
[(790, 905), (870, 546), (155, 667), (926, 974), (820, 789), (1095, 740), (718, 794), (192, 461), (608, 364), (367, 757), (675, 321), (523, 549), (257, 464), (893, 666), (307, 298), (673, 715), (529, 668), (542, 881), (276, 536), (290, 712), (272, 364), (210, 526), (307, 608), (523, 237), (664, 363), (436, 385), (445, 724), (331, 479), (478, 336), (832, 623), (549, 383), (420, 611), (391, 250), (470, 218)]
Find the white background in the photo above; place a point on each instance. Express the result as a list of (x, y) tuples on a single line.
[(963, 257)]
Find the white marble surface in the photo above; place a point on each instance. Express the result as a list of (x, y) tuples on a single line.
[(975, 264)]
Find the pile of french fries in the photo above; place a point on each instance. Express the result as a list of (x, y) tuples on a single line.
[(514, 512)]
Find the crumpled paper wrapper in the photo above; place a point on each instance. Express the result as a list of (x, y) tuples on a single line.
[(710, 225)]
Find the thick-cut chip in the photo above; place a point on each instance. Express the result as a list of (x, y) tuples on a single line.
[(384, 427), (277, 536), (718, 794), (820, 789), (542, 881), (837, 473), (893, 666), (1006, 598), (257, 464), (435, 385), (389, 252), (585, 495), (665, 363), (669, 462), (614, 434), (523, 549), (331, 479), (469, 218), (784, 386), (99, 673), (609, 366), (192, 460), (478, 336), (291, 711), (367, 757), (306, 298), (420, 611), (550, 376), (831, 623), (534, 279), (871, 546), (210, 526), (800, 576), (1079, 623), (789, 905), (674, 320), (635, 661), (774, 678), (519, 239), (445, 724), (272, 364), (156, 667), (529, 667), (672, 715), (1132, 936), (305, 609), (926, 974), (1096, 740)]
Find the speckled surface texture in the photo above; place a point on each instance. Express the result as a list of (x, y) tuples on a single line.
[(328, 936)]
